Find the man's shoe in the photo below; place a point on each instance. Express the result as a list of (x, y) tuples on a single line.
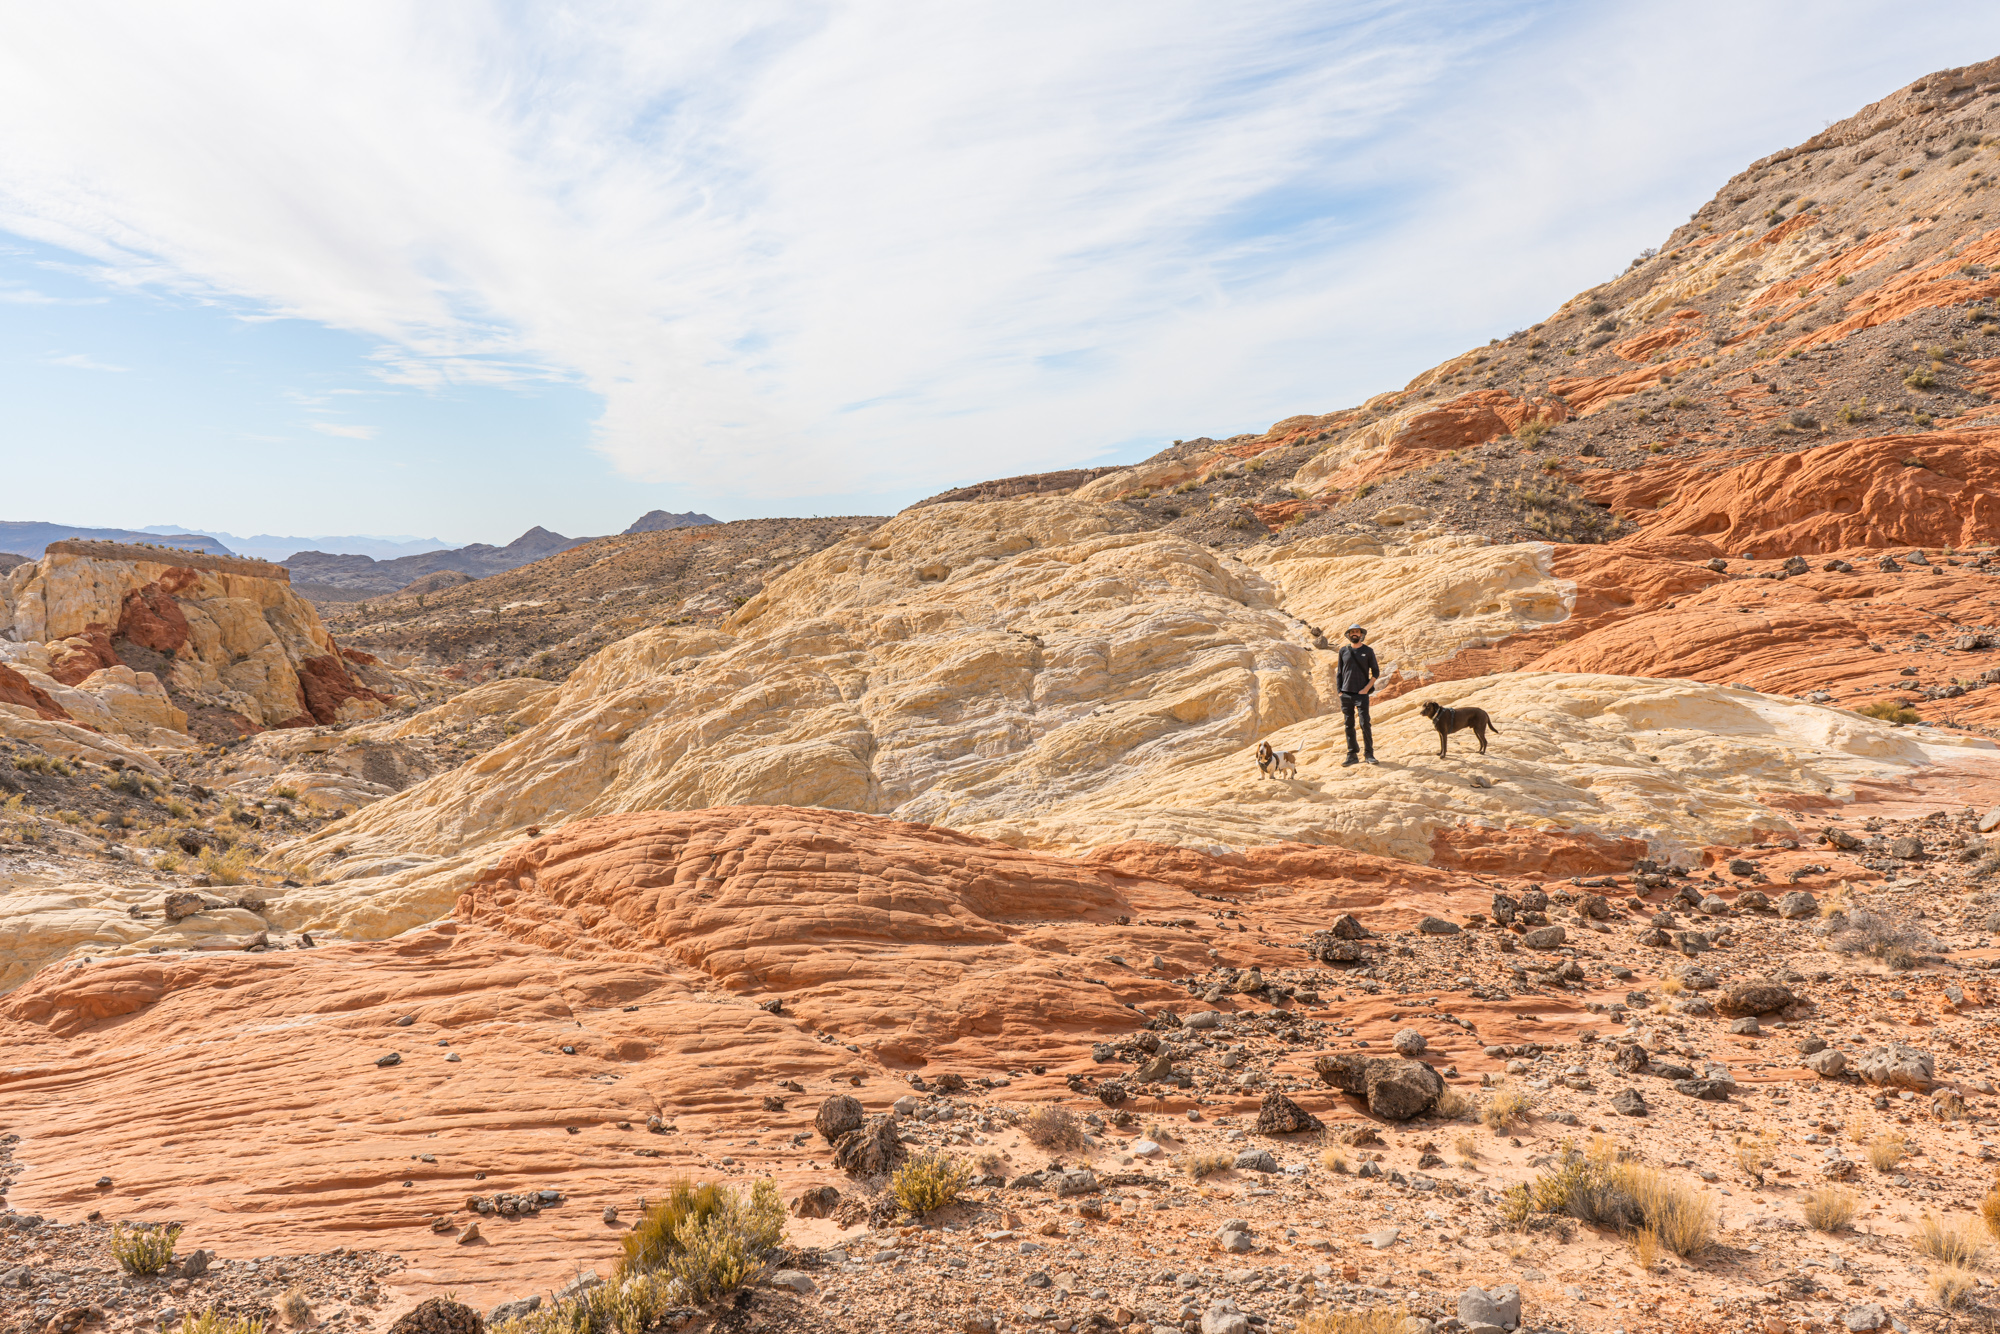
[(1351, 759), (1371, 760)]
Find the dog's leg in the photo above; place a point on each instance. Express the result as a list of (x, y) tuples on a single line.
[(1480, 732)]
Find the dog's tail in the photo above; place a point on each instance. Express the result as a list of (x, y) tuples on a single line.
[(1491, 728)]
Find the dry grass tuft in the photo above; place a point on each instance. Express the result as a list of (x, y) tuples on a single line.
[(1645, 1246), (1199, 1165), (1989, 1211), (1955, 1244), (1830, 1208), (1375, 1320), (1467, 1148), (298, 1311), (1507, 1106), (1451, 1104), (1950, 1286), (212, 1321), (1885, 1151), (706, 1238)]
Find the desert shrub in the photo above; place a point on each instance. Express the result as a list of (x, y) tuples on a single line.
[(1950, 1286), (1889, 711), (1955, 1244), (1531, 430), (1451, 1104), (1375, 1320), (1885, 1151), (169, 861), (144, 1250), (1199, 1165), (1830, 1208), (1467, 1148), (1506, 1107), (706, 1237), (298, 1311), (1906, 173), (929, 1181), (1989, 1212), (285, 793), (1053, 1127), (1754, 1154), (177, 809), (992, 1163), (213, 1322), (1598, 1189), (226, 868), (1897, 943), (1645, 1246), (1922, 379), (633, 1304)]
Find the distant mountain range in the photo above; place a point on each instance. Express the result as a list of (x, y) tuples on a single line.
[(269, 546), (31, 539), (359, 567)]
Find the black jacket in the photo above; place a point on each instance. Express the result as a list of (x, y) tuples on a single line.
[(1357, 668)]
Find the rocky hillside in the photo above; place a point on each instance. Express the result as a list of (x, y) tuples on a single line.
[(802, 851)]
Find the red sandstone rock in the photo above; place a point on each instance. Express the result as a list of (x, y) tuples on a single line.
[(151, 618), (72, 659), (17, 689), (324, 685)]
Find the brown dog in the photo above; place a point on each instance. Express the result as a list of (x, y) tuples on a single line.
[(1448, 721)]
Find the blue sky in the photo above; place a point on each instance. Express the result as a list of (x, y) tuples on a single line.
[(459, 270)]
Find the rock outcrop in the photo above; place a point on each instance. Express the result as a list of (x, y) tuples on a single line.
[(154, 636)]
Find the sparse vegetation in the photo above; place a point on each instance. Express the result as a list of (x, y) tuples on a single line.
[(1531, 429), (1889, 711), (929, 1181), (226, 868), (212, 1321), (1885, 1151), (1921, 379), (1199, 1165), (1507, 1107), (1949, 1287), (1954, 1244), (1451, 1104), (1053, 1126), (706, 1237), (1830, 1208), (1598, 1189), (1375, 1320), (140, 1249)]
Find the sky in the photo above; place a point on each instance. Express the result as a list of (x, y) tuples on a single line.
[(457, 270)]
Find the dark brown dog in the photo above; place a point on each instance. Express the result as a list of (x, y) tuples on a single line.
[(1448, 721)]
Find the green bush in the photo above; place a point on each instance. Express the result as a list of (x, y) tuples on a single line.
[(144, 1250), (929, 1181), (707, 1237)]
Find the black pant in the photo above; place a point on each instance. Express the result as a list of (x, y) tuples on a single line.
[(1349, 705)]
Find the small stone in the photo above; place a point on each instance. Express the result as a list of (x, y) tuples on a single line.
[(794, 1279), (406, 1021), (1489, 1311), (1145, 1148), (1202, 1019), (1746, 1026), (1409, 1042), (1867, 1316), (1345, 927), (1810, 1046), (1438, 926), (392, 1058), (1256, 1160), (1545, 938), (1755, 997), (104, 1183), (610, 1213), (451, 1058), (470, 1233), (1628, 1102), (1382, 1240), (1235, 1242)]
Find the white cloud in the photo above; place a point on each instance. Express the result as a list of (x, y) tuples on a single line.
[(77, 361), (347, 432), (861, 247)]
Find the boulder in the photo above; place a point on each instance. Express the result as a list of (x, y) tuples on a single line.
[(1757, 996), (1346, 1072), (1708, 1090), (1907, 848), (1596, 907), (1811, 1045), (816, 1202), (1896, 1066), (1868, 1315), (1399, 1090), (1836, 837), (1629, 1057), (1505, 908), (1438, 926), (1281, 1116), (1409, 1042), (872, 1150), (1345, 927), (1747, 1026), (1798, 905), (837, 1116), (1489, 1310), (1715, 906), (1544, 938), (1753, 900)]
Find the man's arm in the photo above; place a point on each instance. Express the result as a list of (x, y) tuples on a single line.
[(1374, 670)]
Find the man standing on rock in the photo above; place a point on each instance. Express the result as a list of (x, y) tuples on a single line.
[(1354, 678)]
